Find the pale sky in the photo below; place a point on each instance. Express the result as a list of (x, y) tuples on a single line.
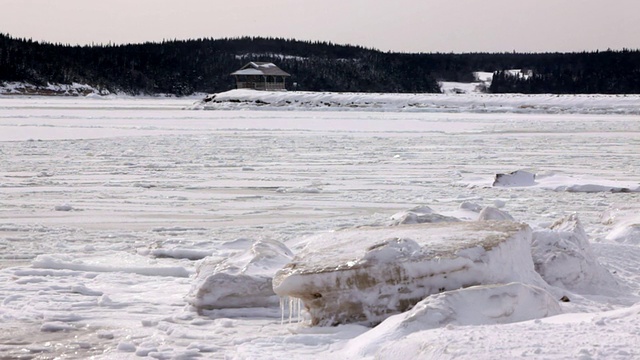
[(395, 25)]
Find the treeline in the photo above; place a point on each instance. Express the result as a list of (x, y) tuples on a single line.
[(204, 65), (608, 72)]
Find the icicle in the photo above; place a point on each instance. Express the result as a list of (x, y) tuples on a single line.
[(290, 309), (293, 306), (282, 300)]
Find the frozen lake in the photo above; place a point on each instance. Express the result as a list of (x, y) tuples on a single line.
[(97, 195)]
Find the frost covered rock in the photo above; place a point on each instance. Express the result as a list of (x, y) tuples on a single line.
[(364, 275), (240, 281), (563, 257), (516, 178), (477, 305)]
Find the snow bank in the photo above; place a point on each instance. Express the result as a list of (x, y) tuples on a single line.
[(477, 305), (563, 257), (243, 280), (480, 103), (366, 274)]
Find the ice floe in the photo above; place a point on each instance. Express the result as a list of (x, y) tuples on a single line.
[(366, 274)]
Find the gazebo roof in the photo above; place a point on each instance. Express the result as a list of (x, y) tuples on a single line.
[(260, 68)]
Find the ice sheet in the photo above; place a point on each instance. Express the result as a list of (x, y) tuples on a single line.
[(164, 187)]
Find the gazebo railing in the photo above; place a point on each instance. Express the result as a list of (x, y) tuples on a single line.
[(259, 85)]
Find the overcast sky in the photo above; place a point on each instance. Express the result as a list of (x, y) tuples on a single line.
[(396, 25)]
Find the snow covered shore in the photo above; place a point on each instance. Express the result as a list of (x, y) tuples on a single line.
[(473, 102), (25, 89)]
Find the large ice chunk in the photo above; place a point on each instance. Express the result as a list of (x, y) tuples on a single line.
[(240, 281), (366, 274)]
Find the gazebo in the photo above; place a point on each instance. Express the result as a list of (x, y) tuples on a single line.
[(260, 76)]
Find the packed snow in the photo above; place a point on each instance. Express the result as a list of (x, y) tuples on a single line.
[(131, 228)]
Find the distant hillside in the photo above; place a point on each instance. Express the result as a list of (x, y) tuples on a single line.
[(204, 65)]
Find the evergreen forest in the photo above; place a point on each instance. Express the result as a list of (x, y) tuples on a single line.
[(183, 67)]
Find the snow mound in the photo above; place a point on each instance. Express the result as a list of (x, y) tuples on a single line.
[(491, 213), (420, 215), (243, 280), (625, 221), (467, 212), (516, 178), (563, 257), (476, 305), (364, 275)]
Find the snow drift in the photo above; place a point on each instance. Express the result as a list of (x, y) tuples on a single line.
[(109, 261), (626, 224), (477, 305)]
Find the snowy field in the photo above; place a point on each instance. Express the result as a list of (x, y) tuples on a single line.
[(108, 207)]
